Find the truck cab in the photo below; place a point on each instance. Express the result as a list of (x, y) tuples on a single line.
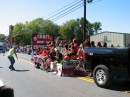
[(105, 63)]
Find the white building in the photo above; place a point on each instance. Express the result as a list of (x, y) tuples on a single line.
[(112, 38)]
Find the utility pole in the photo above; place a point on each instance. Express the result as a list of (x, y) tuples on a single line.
[(11, 34), (84, 25)]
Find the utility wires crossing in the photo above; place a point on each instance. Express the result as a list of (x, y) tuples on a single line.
[(65, 10), (71, 7)]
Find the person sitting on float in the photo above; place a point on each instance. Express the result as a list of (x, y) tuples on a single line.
[(99, 44), (79, 56), (58, 59), (51, 58), (104, 44), (76, 46), (51, 45), (71, 52), (65, 47), (45, 52), (86, 43), (39, 51), (92, 44)]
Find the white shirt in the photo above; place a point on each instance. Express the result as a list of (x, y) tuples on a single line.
[(1, 83)]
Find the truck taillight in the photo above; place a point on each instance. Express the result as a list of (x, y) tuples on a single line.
[(90, 53)]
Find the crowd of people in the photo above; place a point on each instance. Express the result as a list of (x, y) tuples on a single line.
[(55, 53), (27, 49), (61, 50)]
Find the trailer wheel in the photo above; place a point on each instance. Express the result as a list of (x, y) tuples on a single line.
[(41, 66), (37, 66), (102, 76)]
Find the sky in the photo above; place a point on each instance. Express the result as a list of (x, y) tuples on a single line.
[(113, 14)]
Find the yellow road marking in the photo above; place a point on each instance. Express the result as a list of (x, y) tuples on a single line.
[(25, 61), (127, 91), (92, 81), (86, 79)]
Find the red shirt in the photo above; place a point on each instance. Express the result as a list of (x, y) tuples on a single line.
[(44, 53), (39, 52), (76, 47)]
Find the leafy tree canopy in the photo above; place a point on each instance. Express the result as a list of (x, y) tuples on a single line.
[(22, 32), (2, 37)]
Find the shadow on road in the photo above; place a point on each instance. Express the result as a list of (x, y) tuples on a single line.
[(1, 67), (21, 70), (120, 85)]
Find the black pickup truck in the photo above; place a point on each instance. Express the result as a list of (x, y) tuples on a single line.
[(105, 63)]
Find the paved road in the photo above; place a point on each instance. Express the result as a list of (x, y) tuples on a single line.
[(28, 81)]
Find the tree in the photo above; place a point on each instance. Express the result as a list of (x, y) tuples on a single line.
[(97, 26), (2, 37), (74, 29), (67, 30), (50, 28), (22, 33), (17, 32), (79, 31)]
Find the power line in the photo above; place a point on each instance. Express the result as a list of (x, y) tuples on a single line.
[(68, 12), (59, 14), (61, 8), (64, 10)]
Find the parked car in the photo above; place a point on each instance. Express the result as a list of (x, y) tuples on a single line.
[(105, 63), (1, 48)]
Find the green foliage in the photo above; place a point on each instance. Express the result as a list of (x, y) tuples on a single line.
[(67, 30), (74, 29), (2, 37), (97, 26), (22, 33)]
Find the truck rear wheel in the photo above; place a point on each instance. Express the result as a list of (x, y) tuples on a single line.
[(102, 76)]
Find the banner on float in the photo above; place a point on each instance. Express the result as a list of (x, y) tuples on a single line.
[(41, 40)]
